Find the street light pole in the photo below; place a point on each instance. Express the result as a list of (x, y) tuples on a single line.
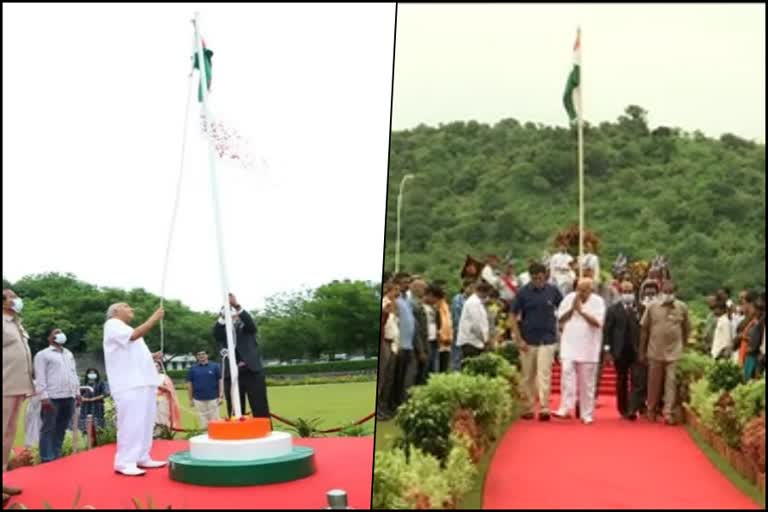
[(399, 210)]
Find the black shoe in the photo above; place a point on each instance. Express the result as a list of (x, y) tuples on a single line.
[(543, 416), (527, 416), (630, 417)]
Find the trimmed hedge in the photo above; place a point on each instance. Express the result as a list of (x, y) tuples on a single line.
[(304, 369)]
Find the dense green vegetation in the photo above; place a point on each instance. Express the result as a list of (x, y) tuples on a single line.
[(338, 317), (510, 187)]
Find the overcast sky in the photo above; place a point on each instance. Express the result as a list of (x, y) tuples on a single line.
[(691, 66), (93, 109)]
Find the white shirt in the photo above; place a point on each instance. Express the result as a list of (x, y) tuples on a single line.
[(735, 321), (590, 260), (431, 322), (580, 341), (392, 326), (473, 323), (490, 277), (129, 364), (560, 269), (56, 374), (560, 262), (723, 336)]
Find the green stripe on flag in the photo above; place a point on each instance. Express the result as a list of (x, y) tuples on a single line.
[(570, 86), (207, 55)]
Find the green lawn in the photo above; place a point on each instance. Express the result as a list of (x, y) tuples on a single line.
[(334, 404)]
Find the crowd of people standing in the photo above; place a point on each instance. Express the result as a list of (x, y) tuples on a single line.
[(144, 395), (561, 310)]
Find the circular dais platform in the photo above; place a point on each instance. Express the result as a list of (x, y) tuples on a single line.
[(299, 463), (276, 444)]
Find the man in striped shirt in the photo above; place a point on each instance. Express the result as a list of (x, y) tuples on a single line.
[(58, 388)]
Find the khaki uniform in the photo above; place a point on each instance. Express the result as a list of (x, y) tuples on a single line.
[(665, 328), (17, 378)]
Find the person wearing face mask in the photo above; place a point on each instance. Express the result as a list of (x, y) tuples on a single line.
[(93, 398), (649, 290), (17, 376), (621, 335), (251, 379), (664, 330), (58, 388)]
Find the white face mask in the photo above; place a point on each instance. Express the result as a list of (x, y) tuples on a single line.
[(667, 298), (628, 298), (17, 304), (60, 338), (91, 376)]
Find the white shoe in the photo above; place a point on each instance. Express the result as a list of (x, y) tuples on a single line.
[(130, 471), (153, 464), (588, 421)]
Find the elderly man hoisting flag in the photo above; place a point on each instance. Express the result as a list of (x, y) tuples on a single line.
[(133, 381)]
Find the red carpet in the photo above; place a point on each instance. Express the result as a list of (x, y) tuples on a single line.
[(607, 385), (611, 464), (342, 462)]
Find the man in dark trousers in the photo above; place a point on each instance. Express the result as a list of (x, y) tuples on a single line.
[(621, 335), (251, 377)]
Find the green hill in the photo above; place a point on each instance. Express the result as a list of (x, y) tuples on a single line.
[(508, 188)]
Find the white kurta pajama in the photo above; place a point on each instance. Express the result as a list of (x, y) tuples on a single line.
[(580, 346), (133, 382), (560, 272)]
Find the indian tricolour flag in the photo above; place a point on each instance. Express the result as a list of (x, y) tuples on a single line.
[(572, 95), (208, 64)]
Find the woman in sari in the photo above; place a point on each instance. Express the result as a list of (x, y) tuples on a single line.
[(168, 411)]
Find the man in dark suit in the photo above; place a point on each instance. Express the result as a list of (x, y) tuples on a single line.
[(621, 334), (251, 377)]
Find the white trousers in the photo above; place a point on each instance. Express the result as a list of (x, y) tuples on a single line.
[(33, 422), (136, 412), (581, 378), (567, 386)]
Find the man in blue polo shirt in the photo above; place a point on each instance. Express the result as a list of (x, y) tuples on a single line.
[(536, 304), (206, 388)]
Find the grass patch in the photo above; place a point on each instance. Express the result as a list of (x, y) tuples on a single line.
[(722, 465), (335, 405)]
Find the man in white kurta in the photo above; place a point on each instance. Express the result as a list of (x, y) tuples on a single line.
[(581, 316), (560, 272), (133, 381)]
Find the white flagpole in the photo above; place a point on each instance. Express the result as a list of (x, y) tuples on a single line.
[(581, 158), (233, 371)]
